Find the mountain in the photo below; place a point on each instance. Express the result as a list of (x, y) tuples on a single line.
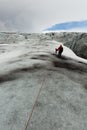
[(66, 26)]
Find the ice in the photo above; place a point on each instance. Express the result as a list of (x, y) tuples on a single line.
[(24, 66)]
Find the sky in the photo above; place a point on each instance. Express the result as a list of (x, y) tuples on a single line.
[(70, 26), (37, 15)]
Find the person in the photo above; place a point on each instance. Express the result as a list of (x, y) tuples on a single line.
[(60, 50)]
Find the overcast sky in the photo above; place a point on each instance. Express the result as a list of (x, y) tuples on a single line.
[(37, 15)]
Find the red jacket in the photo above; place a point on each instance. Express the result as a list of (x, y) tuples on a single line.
[(59, 48)]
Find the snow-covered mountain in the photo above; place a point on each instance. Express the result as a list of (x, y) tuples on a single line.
[(38, 90)]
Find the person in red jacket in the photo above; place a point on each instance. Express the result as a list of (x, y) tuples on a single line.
[(60, 50)]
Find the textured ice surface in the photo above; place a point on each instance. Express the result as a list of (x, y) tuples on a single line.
[(25, 60)]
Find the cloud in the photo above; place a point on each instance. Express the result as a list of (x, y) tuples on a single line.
[(36, 15), (73, 25)]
